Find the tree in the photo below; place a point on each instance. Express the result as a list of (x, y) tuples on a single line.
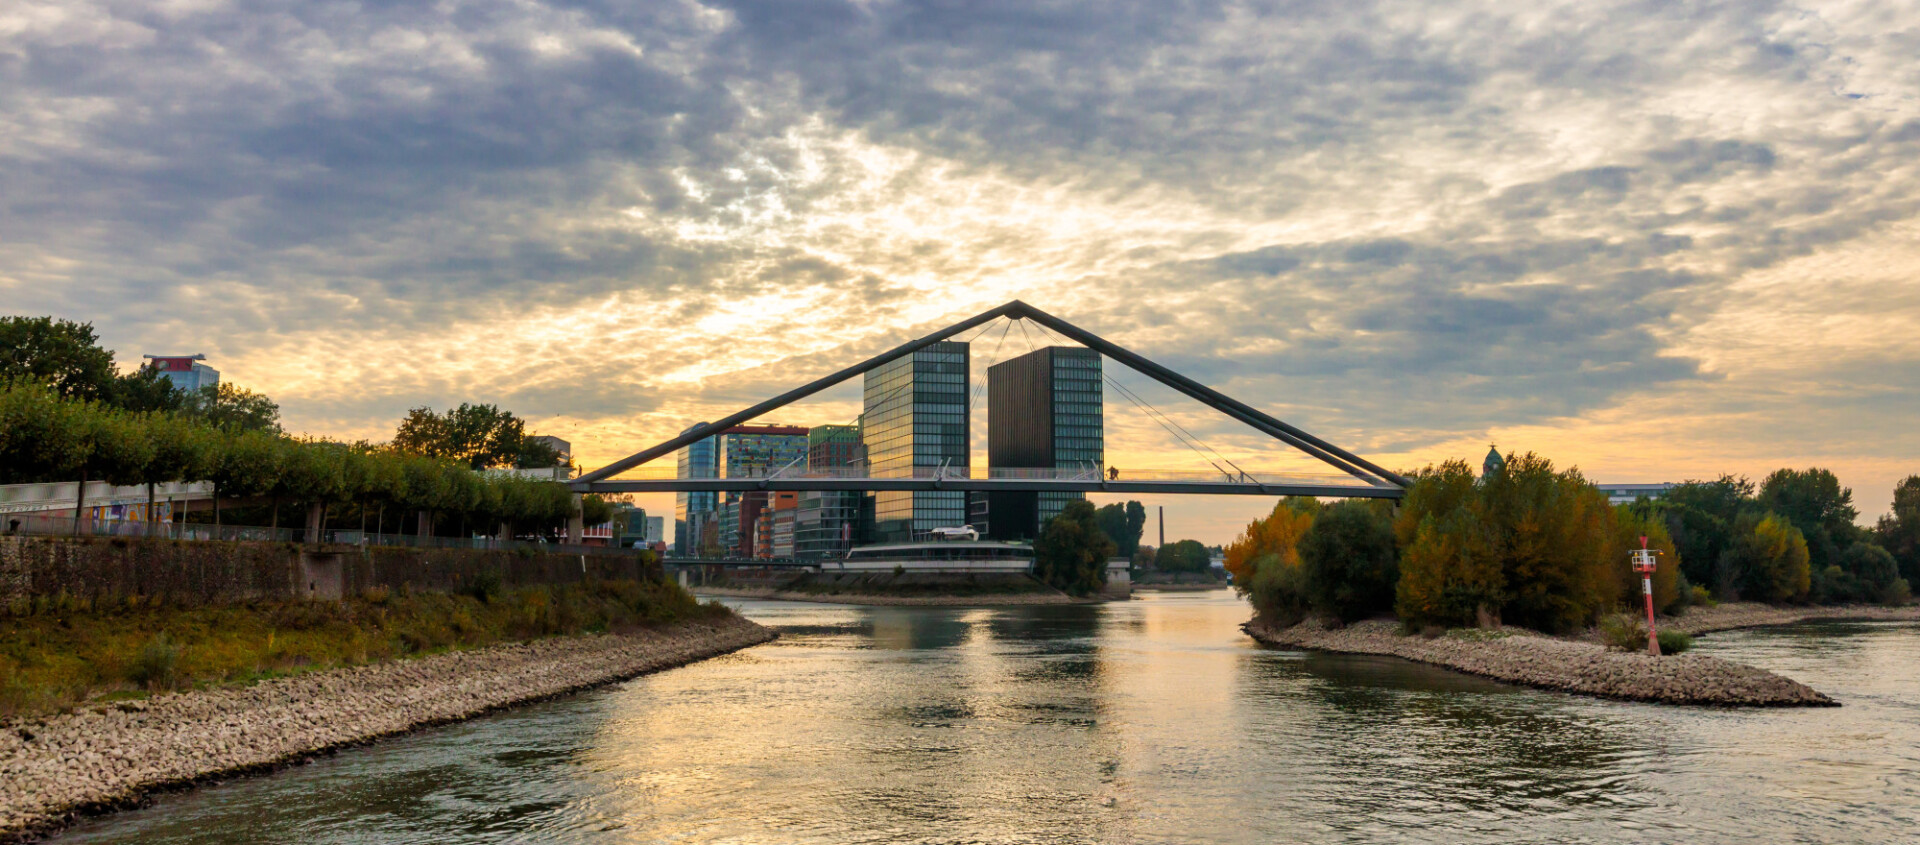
[(480, 436), (1113, 521), (1633, 523), (1136, 526), (60, 353), (1700, 517), (1899, 531), (1450, 572), (1766, 562), (1277, 534), (1524, 545), (41, 435), (233, 408), (1813, 500), (1071, 552), (146, 390), (1182, 556), (1349, 562), (1874, 568), (595, 510)]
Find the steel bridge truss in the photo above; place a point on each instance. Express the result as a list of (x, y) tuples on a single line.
[(1359, 479)]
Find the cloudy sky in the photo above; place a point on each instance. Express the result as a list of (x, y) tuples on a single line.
[(1655, 240)]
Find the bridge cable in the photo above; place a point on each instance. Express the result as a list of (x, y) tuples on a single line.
[(1165, 421)]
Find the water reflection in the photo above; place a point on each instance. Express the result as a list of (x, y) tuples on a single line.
[(1151, 720)]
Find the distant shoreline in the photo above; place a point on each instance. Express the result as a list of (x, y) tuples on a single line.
[(884, 600)]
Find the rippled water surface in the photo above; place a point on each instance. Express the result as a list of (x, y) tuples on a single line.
[(1146, 721)]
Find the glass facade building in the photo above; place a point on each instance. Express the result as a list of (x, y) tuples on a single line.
[(915, 420), (751, 450), (826, 523), (691, 511), (1045, 409)]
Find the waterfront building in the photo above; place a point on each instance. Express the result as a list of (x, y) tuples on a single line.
[(752, 451), (915, 421), (692, 511), (1627, 494), (185, 371), (825, 522), (1045, 410), (774, 528), (632, 528)]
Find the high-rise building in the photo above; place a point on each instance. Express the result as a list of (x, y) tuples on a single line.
[(692, 511), (1044, 410), (748, 451), (916, 420), (826, 522), (185, 371)]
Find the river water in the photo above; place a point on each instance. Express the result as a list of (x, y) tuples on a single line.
[(1153, 720)]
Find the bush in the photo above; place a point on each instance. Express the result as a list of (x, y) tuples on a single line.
[(1700, 596), (1348, 563), (486, 586), (1674, 642), (1623, 632), (1896, 593), (158, 665), (1279, 590)]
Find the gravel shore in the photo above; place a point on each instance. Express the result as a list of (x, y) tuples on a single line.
[(1727, 617), (1530, 659), (108, 757)]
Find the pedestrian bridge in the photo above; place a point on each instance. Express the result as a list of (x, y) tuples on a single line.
[(1356, 476)]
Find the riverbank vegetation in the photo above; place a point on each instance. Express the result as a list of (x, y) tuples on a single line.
[(67, 415), (1526, 544), (1072, 550), (62, 654)]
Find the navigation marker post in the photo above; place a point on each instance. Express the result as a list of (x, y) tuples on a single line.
[(1643, 563)]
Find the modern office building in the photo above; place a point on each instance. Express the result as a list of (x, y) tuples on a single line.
[(692, 511), (826, 522), (748, 451), (915, 421), (773, 530), (630, 526), (185, 371), (1044, 410)]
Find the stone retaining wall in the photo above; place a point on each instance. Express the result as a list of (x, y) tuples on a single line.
[(111, 756), (106, 569)]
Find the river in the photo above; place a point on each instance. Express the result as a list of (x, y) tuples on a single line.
[(1152, 720)]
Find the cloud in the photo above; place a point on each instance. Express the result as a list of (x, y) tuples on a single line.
[(1403, 227)]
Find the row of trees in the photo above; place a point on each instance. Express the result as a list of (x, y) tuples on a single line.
[(1528, 545), (46, 437)]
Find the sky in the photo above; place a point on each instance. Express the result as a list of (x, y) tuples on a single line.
[(1656, 241)]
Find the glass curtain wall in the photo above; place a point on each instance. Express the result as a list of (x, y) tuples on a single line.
[(915, 420)]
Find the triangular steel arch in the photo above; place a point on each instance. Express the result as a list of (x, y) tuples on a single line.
[(1260, 421)]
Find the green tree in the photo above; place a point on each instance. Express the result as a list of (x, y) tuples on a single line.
[(145, 390), (1071, 552), (1634, 522), (233, 408), (1813, 500), (595, 510), (1113, 521), (1899, 531), (60, 353), (1136, 526), (1182, 556), (1767, 561), (480, 436), (1349, 562), (1700, 517), (246, 465), (117, 447), (41, 435)]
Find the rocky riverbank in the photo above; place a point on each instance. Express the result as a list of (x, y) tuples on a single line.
[(1530, 659), (107, 757), (1727, 617)]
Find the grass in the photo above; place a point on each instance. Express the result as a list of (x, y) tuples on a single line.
[(54, 660)]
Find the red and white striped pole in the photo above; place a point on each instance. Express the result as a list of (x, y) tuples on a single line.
[(1643, 563)]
